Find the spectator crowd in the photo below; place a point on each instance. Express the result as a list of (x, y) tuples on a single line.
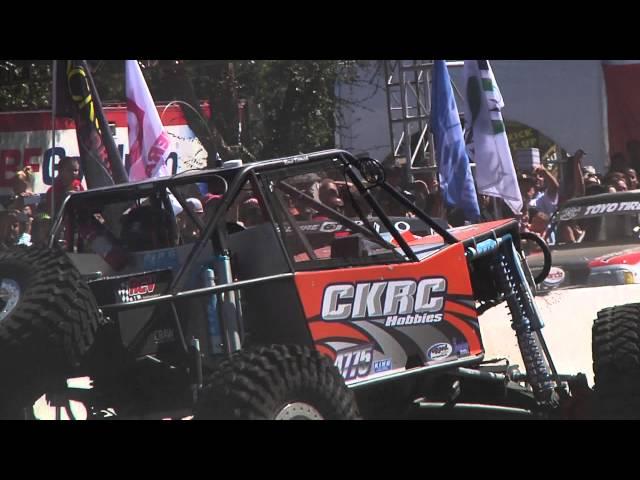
[(26, 217)]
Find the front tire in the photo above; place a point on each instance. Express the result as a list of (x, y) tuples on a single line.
[(48, 321), (616, 362), (276, 383)]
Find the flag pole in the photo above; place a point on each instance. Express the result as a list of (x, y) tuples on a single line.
[(117, 166), (53, 134)]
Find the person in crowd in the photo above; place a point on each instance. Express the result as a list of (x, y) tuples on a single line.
[(68, 180), (590, 177), (9, 229), (490, 212), (329, 195), (615, 182), (189, 231), (23, 182), (139, 230), (420, 192), (571, 232), (250, 213), (632, 178), (574, 186), (24, 237), (545, 198), (594, 187), (40, 230), (538, 222)]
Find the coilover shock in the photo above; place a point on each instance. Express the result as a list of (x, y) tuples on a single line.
[(525, 320)]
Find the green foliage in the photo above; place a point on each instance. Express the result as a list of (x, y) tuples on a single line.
[(25, 84), (290, 104)]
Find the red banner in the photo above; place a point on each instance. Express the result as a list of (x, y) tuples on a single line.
[(623, 103)]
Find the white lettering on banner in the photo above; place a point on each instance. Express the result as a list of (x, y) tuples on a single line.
[(610, 208), (33, 149), (402, 302)]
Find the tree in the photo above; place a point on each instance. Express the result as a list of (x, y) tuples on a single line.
[(290, 106)]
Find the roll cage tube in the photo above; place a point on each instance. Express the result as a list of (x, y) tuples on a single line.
[(333, 214), (351, 171), (447, 237), (303, 239)]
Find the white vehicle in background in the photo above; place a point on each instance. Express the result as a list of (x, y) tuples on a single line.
[(606, 251)]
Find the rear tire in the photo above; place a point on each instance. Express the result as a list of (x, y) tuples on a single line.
[(616, 362), (276, 383), (48, 321)]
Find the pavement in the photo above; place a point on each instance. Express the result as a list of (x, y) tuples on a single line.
[(568, 317)]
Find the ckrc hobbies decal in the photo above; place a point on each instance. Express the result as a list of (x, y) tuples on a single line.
[(399, 302), (354, 362), (137, 288)]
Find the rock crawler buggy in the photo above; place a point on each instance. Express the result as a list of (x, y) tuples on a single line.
[(285, 303)]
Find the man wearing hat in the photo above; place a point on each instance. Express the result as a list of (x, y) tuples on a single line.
[(189, 231)]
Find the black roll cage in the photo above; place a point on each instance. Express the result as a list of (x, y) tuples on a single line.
[(238, 176)]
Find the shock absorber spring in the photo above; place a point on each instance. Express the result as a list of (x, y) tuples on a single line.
[(522, 314)]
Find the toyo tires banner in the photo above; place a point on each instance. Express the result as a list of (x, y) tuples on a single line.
[(25, 140)]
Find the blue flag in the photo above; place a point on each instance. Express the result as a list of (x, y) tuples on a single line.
[(456, 181)]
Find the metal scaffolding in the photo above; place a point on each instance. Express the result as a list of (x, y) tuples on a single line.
[(408, 89)]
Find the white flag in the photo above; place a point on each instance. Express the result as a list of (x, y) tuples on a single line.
[(148, 141), (486, 137)]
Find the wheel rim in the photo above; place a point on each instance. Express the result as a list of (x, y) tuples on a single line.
[(298, 411), (9, 296)]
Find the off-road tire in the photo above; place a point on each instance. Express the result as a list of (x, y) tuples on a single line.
[(262, 383), (616, 362), (51, 327)]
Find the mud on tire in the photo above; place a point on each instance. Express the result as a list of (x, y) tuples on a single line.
[(276, 382), (48, 319), (616, 362)]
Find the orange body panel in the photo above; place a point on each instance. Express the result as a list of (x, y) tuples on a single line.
[(449, 263)]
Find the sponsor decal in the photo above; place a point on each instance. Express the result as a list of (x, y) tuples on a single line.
[(398, 302), (137, 288), (382, 365), (161, 259), (555, 277), (296, 159), (460, 349), (439, 351), (164, 335), (611, 207), (329, 226), (598, 209), (569, 213), (354, 362)]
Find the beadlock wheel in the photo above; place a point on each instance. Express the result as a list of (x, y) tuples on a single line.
[(9, 296), (298, 411)]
